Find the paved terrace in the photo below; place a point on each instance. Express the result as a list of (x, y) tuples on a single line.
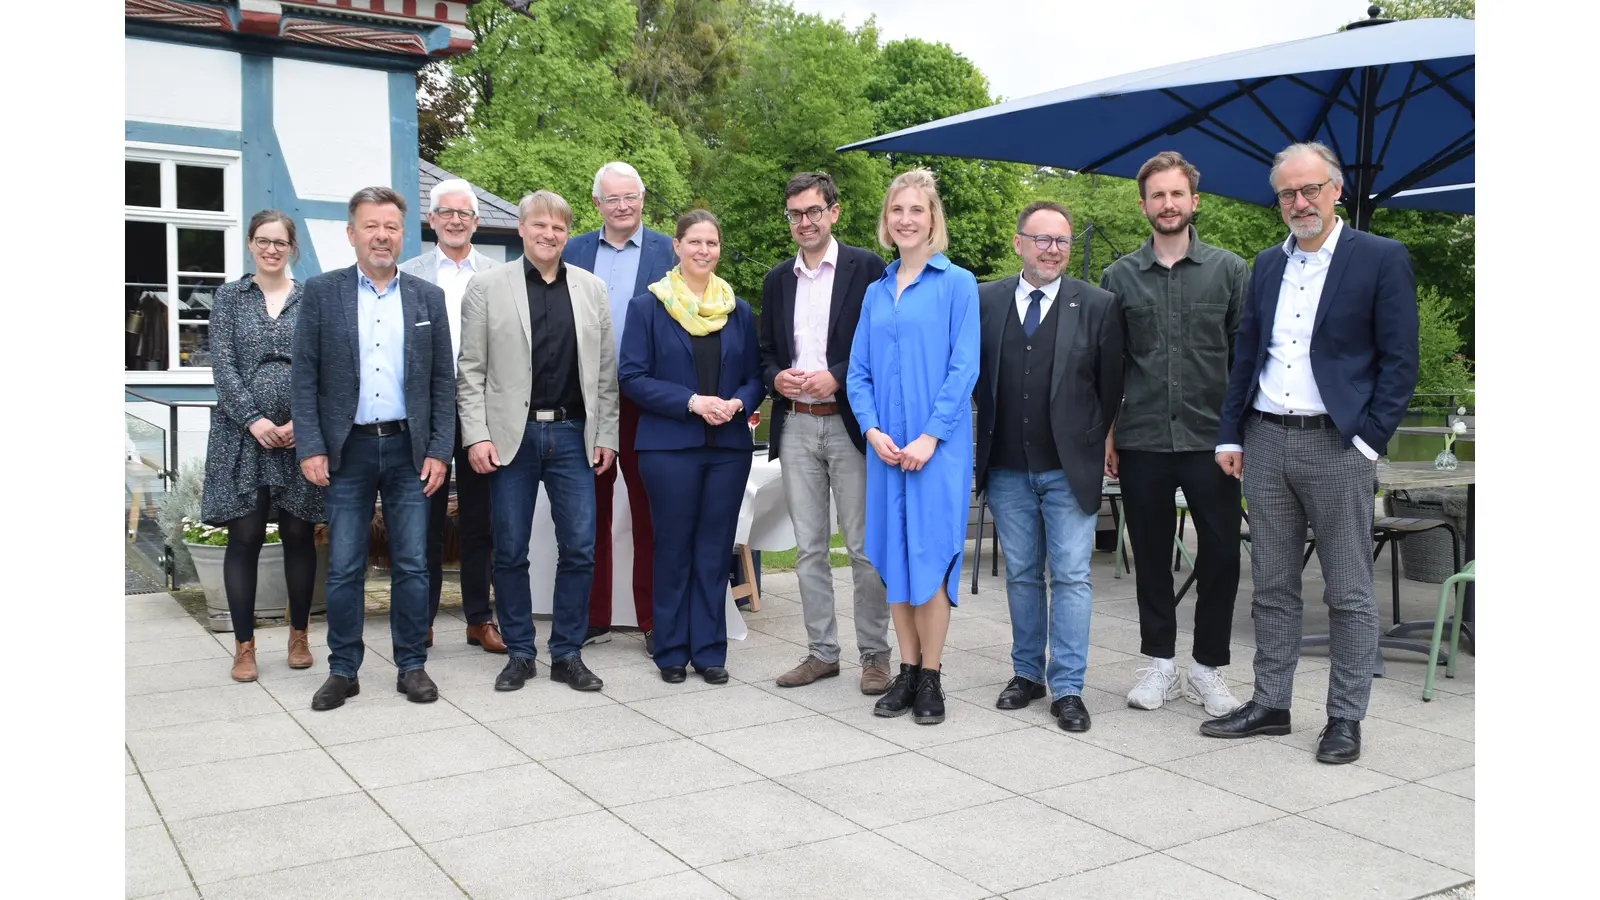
[(691, 792)]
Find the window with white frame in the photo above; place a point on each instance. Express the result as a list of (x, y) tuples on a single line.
[(183, 240)]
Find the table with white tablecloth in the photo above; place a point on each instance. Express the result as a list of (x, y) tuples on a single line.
[(763, 525)]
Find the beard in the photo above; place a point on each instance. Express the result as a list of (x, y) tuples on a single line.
[(1183, 223), (1306, 231)]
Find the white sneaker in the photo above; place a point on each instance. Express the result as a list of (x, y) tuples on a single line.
[(1208, 689), (1154, 687)]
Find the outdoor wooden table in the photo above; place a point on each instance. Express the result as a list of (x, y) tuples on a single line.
[(1394, 476), (1435, 431)]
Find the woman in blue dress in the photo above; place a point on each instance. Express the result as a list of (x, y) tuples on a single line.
[(913, 365)]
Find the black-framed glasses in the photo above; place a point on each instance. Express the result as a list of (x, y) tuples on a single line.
[(813, 213), (1045, 241), (264, 244), (1308, 191), (465, 215), (616, 200)]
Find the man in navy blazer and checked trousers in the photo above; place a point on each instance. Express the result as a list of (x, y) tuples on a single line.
[(1324, 365)]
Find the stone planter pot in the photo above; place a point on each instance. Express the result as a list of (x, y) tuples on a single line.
[(272, 593)]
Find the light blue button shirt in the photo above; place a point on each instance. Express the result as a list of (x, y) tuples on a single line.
[(382, 337), (619, 269)]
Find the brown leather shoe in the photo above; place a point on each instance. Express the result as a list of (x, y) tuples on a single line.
[(428, 641), (299, 649), (809, 670), (486, 636), (244, 661), (875, 674)]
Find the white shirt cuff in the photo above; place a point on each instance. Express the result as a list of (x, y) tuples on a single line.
[(1229, 448), (1366, 451)]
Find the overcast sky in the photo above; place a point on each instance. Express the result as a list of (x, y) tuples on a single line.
[(1031, 46)]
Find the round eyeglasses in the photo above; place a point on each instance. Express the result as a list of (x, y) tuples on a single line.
[(1308, 191), (812, 214), (1045, 241)]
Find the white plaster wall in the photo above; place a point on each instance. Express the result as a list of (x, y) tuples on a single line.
[(332, 244), (175, 84), (333, 127)]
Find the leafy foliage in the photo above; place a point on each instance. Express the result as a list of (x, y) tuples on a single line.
[(1441, 369)]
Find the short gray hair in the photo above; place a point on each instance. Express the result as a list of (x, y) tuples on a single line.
[(452, 186), (1335, 173), (548, 202), (377, 194), (615, 168)]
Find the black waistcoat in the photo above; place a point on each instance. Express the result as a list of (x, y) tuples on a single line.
[(1022, 438)]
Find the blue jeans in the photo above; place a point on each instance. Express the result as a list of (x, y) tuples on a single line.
[(1035, 516), (554, 453), (376, 466)]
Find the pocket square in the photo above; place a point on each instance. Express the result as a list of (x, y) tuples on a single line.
[(430, 321)]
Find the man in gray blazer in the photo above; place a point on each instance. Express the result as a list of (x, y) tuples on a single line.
[(1048, 392), (537, 386), (374, 413), (453, 216)]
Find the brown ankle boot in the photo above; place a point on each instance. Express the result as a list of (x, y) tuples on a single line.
[(244, 661), (299, 649)]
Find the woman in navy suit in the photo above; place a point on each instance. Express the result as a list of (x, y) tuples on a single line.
[(690, 360)]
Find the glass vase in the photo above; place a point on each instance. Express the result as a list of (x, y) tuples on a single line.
[(1446, 460)]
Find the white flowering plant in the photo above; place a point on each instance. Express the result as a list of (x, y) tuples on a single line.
[(1459, 427), (217, 535)]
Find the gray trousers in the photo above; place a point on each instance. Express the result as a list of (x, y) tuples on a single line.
[(1294, 477), (817, 456)]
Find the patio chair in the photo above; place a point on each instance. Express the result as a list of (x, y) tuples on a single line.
[(1244, 543), (1391, 530), (1450, 587)]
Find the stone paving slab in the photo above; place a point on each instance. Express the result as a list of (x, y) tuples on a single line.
[(651, 791)]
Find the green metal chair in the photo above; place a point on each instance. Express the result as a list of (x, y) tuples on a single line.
[(1450, 587)]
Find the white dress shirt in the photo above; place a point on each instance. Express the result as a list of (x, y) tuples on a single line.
[(1024, 289), (452, 278), (1287, 386), (813, 306)]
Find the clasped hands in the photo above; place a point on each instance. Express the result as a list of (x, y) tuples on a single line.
[(715, 410), (793, 382), (910, 458), (270, 436)]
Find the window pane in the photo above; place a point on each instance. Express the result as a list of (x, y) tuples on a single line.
[(200, 250), (194, 344), (145, 296), (200, 187), (146, 253), (195, 296), (143, 184)]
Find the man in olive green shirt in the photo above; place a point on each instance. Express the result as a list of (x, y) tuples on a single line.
[(1181, 300)]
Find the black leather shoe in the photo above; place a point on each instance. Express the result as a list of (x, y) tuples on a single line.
[(333, 691), (1019, 692), (927, 708), (650, 642), (713, 674), (1070, 713), (674, 674), (417, 686), (1340, 742), (515, 674), (596, 635), (896, 701), (577, 675), (1249, 719)]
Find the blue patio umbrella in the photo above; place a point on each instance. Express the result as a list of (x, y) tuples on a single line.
[(1394, 101)]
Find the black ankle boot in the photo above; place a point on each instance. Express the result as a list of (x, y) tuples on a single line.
[(896, 701), (928, 707)]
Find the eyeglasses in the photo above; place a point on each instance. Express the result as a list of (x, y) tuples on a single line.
[(1045, 241), (465, 215), (1308, 191), (813, 213), (264, 244), (617, 200)]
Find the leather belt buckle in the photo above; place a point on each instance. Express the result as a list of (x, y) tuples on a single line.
[(817, 409), (544, 415)]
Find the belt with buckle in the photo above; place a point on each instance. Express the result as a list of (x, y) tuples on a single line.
[(548, 415), (1296, 421), (382, 429), (817, 409)]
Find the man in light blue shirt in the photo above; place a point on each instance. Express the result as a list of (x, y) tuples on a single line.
[(629, 258), (383, 357)]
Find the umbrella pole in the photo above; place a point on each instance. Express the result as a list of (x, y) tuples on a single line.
[(1088, 244)]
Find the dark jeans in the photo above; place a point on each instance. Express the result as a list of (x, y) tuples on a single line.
[(1149, 482), (696, 496), (605, 487), (477, 548), (552, 453), (376, 467)]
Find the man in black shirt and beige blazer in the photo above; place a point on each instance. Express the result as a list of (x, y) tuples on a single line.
[(536, 385)]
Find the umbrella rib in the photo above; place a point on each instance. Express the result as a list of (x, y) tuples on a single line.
[(1438, 163), (1199, 114), (1328, 102), (1444, 84), (1265, 110), (1254, 152), (1330, 96), (1256, 149), (1394, 121)]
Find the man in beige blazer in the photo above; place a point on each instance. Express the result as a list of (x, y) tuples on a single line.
[(536, 386)]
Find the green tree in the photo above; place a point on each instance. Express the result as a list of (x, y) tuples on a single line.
[(1441, 367), (912, 82)]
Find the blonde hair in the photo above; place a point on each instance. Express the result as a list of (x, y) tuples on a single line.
[(922, 179), (548, 202)]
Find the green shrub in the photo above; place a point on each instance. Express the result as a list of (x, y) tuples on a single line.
[(1441, 368)]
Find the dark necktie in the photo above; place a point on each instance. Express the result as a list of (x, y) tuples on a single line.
[(1030, 320)]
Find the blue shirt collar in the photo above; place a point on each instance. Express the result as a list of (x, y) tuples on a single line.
[(937, 261), (362, 281), (636, 239)]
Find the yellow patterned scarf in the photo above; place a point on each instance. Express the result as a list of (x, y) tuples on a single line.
[(698, 316)]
